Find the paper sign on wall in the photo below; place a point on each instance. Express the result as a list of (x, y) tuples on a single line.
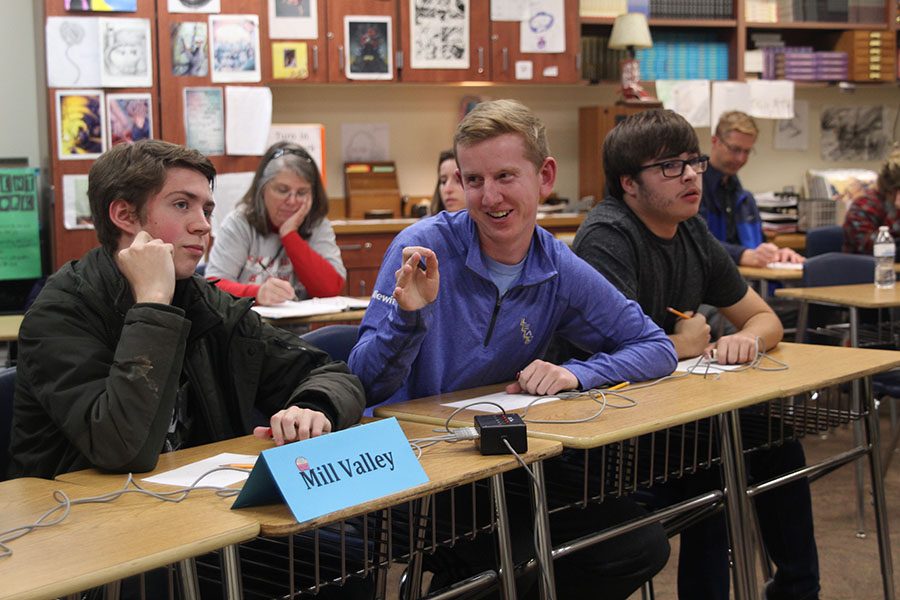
[(321, 475)]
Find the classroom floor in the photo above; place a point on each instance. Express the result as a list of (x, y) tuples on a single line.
[(848, 565)]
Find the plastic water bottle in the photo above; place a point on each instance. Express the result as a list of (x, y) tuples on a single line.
[(883, 251)]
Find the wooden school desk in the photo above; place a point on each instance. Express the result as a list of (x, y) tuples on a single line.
[(101, 543), (763, 275), (347, 316), (447, 466), (9, 327), (677, 402)]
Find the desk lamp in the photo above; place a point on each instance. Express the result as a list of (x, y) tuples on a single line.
[(630, 31)]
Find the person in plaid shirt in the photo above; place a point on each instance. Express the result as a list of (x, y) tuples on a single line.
[(873, 208)]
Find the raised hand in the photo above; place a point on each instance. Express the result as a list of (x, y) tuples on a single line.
[(416, 288)]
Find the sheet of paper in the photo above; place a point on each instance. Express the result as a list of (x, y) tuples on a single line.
[(188, 474), (204, 120), (293, 20), (509, 402), (248, 115), (771, 99), (76, 207), (310, 136), (508, 10), (698, 365), (689, 98), (787, 266), (728, 95), (544, 29), (73, 52), (793, 133), (313, 306), (365, 142), (230, 187)]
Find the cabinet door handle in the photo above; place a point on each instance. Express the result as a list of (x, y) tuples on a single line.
[(341, 58), (505, 53), (480, 59), (362, 287), (316, 58), (352, 247)]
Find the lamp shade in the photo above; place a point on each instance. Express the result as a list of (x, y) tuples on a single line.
[(630, 30)]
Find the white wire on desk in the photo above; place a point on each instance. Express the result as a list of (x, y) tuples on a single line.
[(65, 504)]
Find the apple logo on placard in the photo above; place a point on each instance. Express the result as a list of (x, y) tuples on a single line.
[(302, 464)]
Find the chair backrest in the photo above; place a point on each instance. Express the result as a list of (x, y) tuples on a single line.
[(821, 240), (838, 268), (336, 340), (7, 387)]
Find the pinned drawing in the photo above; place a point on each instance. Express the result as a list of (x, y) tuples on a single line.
[(73, 51), (189, 49), (853, 133), (234, 46), (369, 48), (125, 48), (129, 118), (439, 33), (80, 127)]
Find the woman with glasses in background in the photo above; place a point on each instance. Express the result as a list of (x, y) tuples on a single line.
[(277, 244)]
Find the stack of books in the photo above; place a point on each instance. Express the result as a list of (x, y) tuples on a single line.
[(824, 11), (692, 9), (802, 63), (831, 66), (684, 55), (602, 8)]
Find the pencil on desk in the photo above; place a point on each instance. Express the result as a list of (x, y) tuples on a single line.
[(237, 466), (677, 313), (619, 386)]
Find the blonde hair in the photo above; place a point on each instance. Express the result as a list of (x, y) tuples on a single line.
[(889, 175), (498, 117), (736, 120)]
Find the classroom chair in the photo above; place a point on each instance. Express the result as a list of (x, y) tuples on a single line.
[(821, 240), (336, 340), (7, 387)]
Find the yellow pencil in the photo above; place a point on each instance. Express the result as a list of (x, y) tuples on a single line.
[(677, 313), (619, 386), (237, 466)]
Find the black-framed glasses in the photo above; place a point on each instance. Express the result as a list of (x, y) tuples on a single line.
[(674, 167)]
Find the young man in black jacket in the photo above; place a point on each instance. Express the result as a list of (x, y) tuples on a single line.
[(126, 354)]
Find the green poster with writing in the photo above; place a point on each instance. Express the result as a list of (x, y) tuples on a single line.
[(20, 240)]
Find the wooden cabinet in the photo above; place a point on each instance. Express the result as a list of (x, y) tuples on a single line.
[(316, 50), (341, 50), (362, 254), (509, 64), (594, 122)]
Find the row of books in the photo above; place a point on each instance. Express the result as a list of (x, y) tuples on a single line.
[(684, 56), (825, 11), (664, 9), (599, 63), (778, 211)]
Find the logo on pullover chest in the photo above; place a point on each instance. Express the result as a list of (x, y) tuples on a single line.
[(332, 472), (527, 336)]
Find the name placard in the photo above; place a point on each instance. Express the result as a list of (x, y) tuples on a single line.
[(331, 472)]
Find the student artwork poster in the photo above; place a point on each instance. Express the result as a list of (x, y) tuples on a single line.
[(290, 60), (126, 54), (234, 48), (80, 124), (194, 6), (293, 19), (100, 5), (73, 51), (76, 206), (369, 47), (189, 49), (204, 120), (129, 118), (439, 34)]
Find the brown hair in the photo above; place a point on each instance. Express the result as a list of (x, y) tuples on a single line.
[(134, 172), (736, 120), (285, 156), (491, 119), (647, 135), (437, 205)]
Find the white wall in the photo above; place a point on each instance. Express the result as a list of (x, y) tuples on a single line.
[(21, 133)]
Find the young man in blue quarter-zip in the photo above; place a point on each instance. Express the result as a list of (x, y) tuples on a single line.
[(494, 290)]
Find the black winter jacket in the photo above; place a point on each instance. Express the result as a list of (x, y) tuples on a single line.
[(98, 374)]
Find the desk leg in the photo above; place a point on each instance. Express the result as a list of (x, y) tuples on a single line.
[(545, 546), (507, 568), (858, 433), (881, 520), (414, 571), (231, 569), (802, 319), (112, 591), (738, 505), (187, 569)]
